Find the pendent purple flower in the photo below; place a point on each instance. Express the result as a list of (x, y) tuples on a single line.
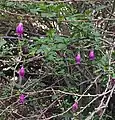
[(22, 98), (75, 107), (78, 58), (91, 55), (20, 30), (21, 72)]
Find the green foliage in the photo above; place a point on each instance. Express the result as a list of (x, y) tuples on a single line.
[(68, 30)]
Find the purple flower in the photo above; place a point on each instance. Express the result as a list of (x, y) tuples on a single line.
[(21, 72), (75, 107), (78, 59), (19, 29), (112, 81), (91, 55), (22, 98)]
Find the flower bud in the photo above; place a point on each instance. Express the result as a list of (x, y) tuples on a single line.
[(91, 55), (75, 107), (19, 29), (22, 72), (112, 81), (25, 50), (22, 98), (78, 59)]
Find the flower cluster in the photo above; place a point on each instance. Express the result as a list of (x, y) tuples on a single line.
[(21, 72), (20, 31), (91, 57)]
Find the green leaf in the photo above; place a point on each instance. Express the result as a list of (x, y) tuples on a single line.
[(61, 46), (34, 10), (2, 74), (48, 15), (113, 75), (2, 42), (10, 4), (51, 33), (54, 97), (101, 7)]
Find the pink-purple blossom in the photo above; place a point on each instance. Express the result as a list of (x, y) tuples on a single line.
[(75, 107), (78, 58), (91, 55), (22, 98), (19, 29), (21, 72)]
